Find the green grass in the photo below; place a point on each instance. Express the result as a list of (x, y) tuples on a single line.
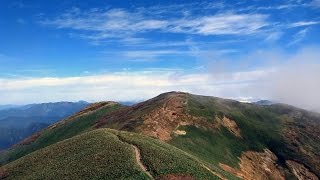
[(162, 158), (71, 128), (106, 154), (97, 154), (215, 146), (260, 128)]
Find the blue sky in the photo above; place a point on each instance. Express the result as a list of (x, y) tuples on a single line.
[(174, 42)]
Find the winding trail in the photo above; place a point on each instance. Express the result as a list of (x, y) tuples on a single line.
[(138, 156), (139, 162), (213, 172)]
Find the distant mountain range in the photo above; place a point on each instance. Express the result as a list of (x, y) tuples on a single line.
[(18, 122), (264, 102), (7, 106), (173, 136)]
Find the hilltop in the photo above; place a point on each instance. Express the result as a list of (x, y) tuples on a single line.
[(227, 138)]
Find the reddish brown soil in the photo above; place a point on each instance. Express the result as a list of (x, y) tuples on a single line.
[(300, 138), (3, 173), (230, 124), (257, 166), (176, 177), (158, 117), (139, 162), (29, 139), (93, 107), (300, 171)]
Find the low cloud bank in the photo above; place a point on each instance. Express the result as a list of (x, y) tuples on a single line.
[(297, 82), (293, 79)]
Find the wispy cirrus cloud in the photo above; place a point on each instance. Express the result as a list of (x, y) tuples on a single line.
[(222, 24), (149, 54), (117, 23), (304, 23), (134, 26), (299, 36)]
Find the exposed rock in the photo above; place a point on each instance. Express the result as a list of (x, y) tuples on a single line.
[(180, 132), (158, 117), (257, 166), (300, 171), (162, 121), (230, 124), (301, 136)]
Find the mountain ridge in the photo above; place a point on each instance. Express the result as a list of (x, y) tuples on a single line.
[(17, 123), (228, 136)]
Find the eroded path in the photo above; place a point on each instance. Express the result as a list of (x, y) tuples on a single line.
[(139, 162), (138, 156)]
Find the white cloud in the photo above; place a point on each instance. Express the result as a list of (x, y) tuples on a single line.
[(121, 86), (106, 23), (239, 24), (150, 55), (119, 23), (274, 36), (304, 23), (293, 80), (299, 36)]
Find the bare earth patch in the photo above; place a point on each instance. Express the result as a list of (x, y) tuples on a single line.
[(180, 132), (164, 120), (29, 139), (230, 124), (213, 172), (300, 171), (158, 117), (3, 173), (176, 177), (139, 162), (257, 166)]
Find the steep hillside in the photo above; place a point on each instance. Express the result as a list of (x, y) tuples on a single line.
[(17, 123), (69, 127), (220, 131), (229, 138), (107, 154)]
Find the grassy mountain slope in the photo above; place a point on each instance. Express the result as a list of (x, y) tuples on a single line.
[(105, 154), (230, 138), (74, 125), (17, 123), (290, 133), (225, 129)]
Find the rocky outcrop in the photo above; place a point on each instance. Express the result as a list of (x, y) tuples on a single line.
[(230, 124), (257, 166), (300, 171)]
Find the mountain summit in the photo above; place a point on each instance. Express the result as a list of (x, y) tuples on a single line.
[(175, 135)]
